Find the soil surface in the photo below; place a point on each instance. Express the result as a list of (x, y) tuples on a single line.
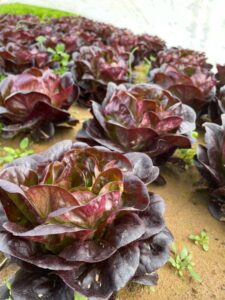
[(186, 213)]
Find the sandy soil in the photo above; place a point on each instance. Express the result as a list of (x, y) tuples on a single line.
[(186, 213)]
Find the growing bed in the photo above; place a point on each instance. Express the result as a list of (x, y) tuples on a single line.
[(179, 184)]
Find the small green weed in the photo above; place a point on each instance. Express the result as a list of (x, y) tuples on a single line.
[(9, 287), (182, 262), (152, 289), (8, 154), (59, 55), (2, 76), (187, 155), (78, 296), (201, 239)]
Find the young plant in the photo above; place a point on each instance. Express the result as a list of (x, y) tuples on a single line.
[(59, 55), (141, 71), (40, 41), (9, 288), (78, 296), (187, 155), (2, 76), (182, 262), (151, 289), (9, 153), (201, 239)]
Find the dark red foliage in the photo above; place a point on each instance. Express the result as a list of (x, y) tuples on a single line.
[(19, 35), (81, 218), (35, 102), (142, 118), (94, 67), (210, 163), (16, 59), (193, 85), (181, 56)]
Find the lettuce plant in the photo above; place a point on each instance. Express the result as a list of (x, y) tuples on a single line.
[(123, 40), (16, 59), (142, 118), (194, 85), (80, 218), (61, 58), (35, 102), (148, 46), (94, 67), (181, 56), (210, 163)]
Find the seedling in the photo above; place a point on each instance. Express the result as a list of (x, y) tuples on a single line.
[(40, 40), (2, 76), (201, 239), (182, 262), (78, 296), (142, 70), (194, 134), (9, 287), (8, 154), (187, 155), (59, 55), (152, 289), (149, 61)]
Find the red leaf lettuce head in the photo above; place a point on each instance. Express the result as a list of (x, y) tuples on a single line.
[(181, 56), (82, 214), (94, 67), (20, 30), (193, 85), (16, 59), (141, 117), (36, 101), (210, 161), (123, 40), (147, 46)]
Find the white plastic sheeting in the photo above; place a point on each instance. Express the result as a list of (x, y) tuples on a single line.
[(197, 24)]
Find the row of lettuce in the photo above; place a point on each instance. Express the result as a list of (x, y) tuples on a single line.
[(79, 216)]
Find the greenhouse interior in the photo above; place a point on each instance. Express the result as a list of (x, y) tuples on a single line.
[(112, 150)]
